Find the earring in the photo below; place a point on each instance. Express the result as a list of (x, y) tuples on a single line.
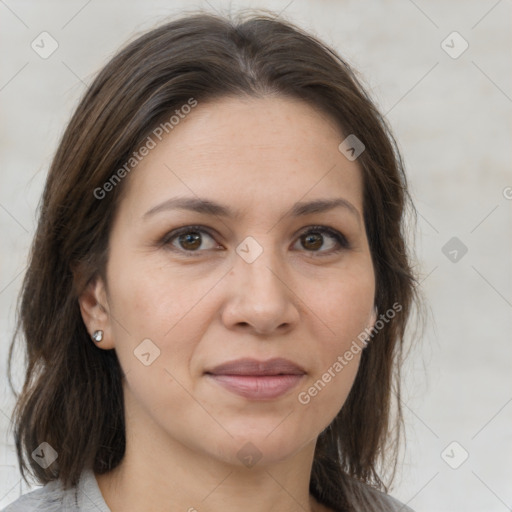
[(97, 336)]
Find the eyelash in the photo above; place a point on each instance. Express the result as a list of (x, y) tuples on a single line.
[(340, 239)]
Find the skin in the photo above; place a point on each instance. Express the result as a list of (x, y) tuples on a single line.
[(299, 300)]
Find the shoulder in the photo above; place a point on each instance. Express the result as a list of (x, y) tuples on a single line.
[(372, 499), (48, 498), (387, 502), (52, 497)]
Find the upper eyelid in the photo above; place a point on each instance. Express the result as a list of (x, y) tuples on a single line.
[(326, 230)]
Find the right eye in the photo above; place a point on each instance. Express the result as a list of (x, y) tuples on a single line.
[(188, 240)]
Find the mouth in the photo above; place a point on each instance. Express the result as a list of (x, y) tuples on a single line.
[(257, 380)]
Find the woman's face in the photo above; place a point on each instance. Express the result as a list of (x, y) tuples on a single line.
[(261, 275)]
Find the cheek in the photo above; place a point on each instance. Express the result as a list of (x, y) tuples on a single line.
[(155, 301), (173, 313), (344, 307), (321, 399), (344, 304)]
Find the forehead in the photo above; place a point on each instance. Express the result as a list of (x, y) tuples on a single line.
[(247, 150)]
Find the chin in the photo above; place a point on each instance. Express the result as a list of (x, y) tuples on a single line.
[(264, 445)]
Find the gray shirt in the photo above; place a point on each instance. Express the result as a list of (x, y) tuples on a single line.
[(87, 497)]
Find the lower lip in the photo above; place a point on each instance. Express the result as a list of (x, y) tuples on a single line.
[(254, 387)]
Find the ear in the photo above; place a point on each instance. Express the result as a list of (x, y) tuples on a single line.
[(373, 318), (94, 308), (371, 324)]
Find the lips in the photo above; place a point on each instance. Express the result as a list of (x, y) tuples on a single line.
[(258, 380), (277, 366)]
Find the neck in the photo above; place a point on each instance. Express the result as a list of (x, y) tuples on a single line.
[(160, 474), (200, 484)]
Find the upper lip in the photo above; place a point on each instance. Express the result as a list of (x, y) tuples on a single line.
[(247, 366)]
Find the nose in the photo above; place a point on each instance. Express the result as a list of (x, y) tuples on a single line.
[(260, 298)]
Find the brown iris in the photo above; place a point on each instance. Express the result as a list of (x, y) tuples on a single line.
[(190, 240), (315, 240)]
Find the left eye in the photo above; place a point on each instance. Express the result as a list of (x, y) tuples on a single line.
[(190, 239), (314, 237)]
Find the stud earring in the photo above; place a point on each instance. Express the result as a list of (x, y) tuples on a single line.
[(97, 336)]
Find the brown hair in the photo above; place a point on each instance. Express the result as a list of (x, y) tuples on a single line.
[(72, 395)]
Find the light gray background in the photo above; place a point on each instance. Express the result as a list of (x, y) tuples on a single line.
[(452, 118)]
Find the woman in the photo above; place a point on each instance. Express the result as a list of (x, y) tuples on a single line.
[(219, 285)]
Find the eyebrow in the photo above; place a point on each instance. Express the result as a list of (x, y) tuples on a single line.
[(207, 206)]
